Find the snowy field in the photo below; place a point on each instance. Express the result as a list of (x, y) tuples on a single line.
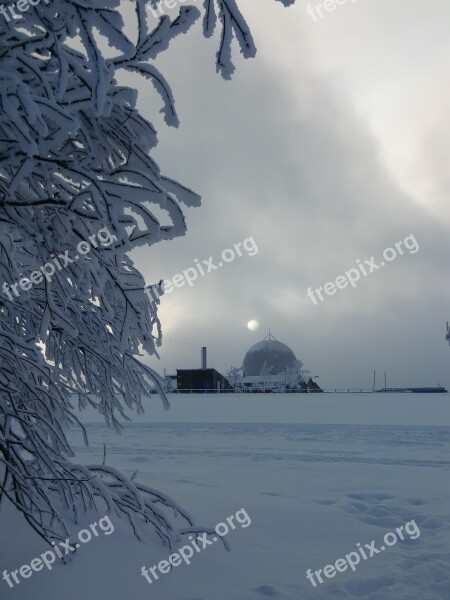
[(317, 474)]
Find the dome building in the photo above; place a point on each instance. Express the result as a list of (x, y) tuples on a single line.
[(270, 366), (268, 354)]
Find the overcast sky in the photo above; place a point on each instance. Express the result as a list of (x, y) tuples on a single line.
[(328, 147)]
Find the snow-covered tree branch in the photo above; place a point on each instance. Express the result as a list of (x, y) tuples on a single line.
[(75, 158)]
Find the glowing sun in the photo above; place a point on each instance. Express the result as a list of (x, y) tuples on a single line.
[(253, 325)]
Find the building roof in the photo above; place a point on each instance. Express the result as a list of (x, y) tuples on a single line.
[(270, 351)]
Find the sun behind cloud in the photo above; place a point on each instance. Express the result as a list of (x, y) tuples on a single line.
[(253, 325)]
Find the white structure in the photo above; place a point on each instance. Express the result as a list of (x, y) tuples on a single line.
[(269, 366)]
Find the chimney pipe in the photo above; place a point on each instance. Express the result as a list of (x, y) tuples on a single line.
[(204, 357)]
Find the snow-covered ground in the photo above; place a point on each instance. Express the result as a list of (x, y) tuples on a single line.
[(317, 474)]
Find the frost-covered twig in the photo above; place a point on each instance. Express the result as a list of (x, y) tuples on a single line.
[(75, 156)]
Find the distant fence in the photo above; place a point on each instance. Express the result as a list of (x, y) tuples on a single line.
[(201, 391), (350, 391), (256, 391)]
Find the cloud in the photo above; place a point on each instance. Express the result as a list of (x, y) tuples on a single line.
[(297, 165)]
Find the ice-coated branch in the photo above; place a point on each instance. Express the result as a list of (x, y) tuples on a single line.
[(78, 191)]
